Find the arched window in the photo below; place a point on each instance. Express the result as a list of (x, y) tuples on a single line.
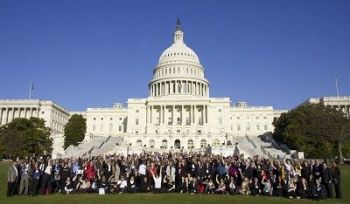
[(164, 144), (190, 144), (216, 143), (203, 143), (139, 143)]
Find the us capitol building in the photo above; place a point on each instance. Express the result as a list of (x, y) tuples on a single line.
[(178, 115)]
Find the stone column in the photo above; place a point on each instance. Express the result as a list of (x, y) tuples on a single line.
[(202, 114), (151, 112), (1, 115), (206, 114), (10, 115), (6, 118), (182, 115), (172, 115), (198, 88), (194, 113), (190, 114)]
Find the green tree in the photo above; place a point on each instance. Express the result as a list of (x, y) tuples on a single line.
[(315, 129), (22, 137), (74, 131)]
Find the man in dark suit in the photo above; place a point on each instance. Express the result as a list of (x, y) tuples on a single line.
[(12, 178), (336, 180), (326, 176)]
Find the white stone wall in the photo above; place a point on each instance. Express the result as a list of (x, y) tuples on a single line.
[(106, 121), (54, 115)]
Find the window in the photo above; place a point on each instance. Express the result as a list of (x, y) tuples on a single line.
[(265, 127), (216, 143), (220, 110), (238, 118), (164, 144), (203, 143), (190, 144), (258, 127), (179, 121), (93, 127), (151, 144), (178, 131), (42, 112), (238, 128), (101, 118), (136, 132), (137, 121), (248, 127), (94, 118), (139, 143), (111, 118), (199, 132), (220, 120), (137, 111), (120, 128)]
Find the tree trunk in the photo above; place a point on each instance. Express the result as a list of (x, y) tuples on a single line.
[(340, 154)]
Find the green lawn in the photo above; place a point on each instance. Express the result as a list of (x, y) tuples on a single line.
[(162, 198)]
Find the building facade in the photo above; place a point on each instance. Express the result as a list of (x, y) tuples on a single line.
[(54, 115), (179, 113), (339, 102)]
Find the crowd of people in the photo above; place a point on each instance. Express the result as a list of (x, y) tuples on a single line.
[(175, 173)]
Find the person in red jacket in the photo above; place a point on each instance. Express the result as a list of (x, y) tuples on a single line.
[(90, 171)]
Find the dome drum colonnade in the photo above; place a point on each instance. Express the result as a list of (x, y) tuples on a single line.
[(178, 74)]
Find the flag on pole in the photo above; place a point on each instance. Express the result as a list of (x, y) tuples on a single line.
[(32, 86)]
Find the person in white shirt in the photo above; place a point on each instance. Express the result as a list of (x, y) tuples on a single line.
[(122, 184), (157, 182), (142, 169)]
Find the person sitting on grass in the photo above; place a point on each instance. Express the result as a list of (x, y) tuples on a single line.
[(131, 184), (292, 188), (255, 187), (122, 185), (221, 186), (231, 186), (144, 185), (69, 187), (210, 186), (267, 187), (244, 190), (318, 190)]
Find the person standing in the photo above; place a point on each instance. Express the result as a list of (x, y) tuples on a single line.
[(24, 183), (12, 177), (336, 180), (326, 176)]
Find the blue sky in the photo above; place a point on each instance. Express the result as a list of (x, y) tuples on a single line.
[(84, 53)]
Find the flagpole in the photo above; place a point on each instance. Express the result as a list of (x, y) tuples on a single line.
[(30, 90), (336, 86)]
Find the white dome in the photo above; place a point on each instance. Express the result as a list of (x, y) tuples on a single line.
[(178, 52), (179, 71)]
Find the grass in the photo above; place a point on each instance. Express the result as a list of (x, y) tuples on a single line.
[(162, 198)]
